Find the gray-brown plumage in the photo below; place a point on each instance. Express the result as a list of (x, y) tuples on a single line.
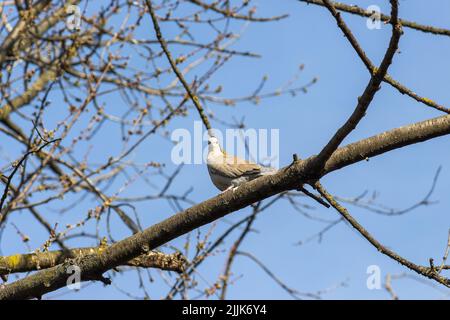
[(227, 171)]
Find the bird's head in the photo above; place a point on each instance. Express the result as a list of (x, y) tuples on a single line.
[(213, 145)]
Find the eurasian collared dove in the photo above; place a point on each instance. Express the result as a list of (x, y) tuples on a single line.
[(227, 171)]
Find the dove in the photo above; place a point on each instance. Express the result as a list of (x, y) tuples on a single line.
[(227, 171)]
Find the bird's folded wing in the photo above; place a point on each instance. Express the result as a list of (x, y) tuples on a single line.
[(233, 171), (234, 167)]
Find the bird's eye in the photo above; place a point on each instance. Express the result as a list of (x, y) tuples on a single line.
[(209, 142)]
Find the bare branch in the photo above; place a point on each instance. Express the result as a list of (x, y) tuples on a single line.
[(428, 272)]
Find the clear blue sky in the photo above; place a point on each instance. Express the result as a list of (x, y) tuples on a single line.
[(310, 37)]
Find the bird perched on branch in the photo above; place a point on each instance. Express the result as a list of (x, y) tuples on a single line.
[(227, 171)]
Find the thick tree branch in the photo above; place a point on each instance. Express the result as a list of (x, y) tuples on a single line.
[(44, 260), (230, 14), (387, 141), (290, 177)]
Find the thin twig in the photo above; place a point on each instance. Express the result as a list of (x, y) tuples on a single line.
[(371, 88), (426, 271), (16, 167), (180, 76)]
